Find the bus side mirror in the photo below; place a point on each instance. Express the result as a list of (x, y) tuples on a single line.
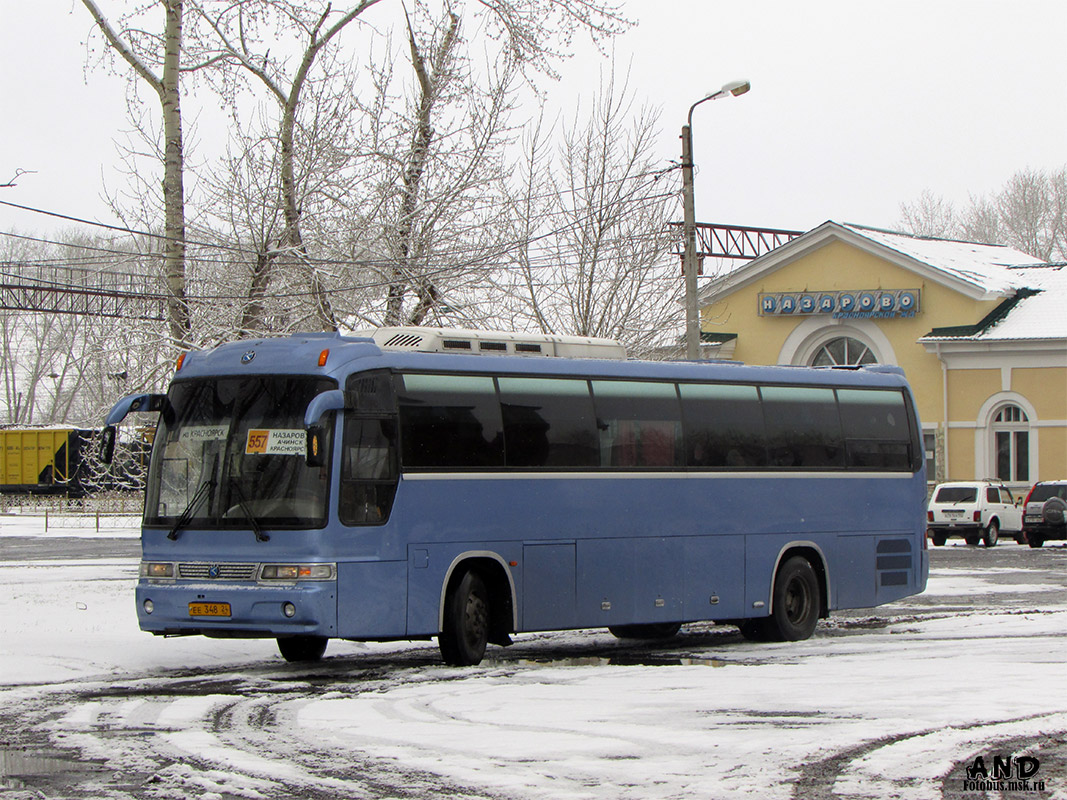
[(107, 444), (135, 403), (321, 404)]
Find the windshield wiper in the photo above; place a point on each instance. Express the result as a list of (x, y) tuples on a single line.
[(187, 515), (242, 503)]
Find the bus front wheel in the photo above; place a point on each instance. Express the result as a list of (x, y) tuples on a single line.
[(302, 648), (466, 626)]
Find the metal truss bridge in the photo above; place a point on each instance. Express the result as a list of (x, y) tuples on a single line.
[(715, 240), (55, 289)]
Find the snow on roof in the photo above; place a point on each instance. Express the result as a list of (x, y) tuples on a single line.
[(983, 271), (1040, 312), (988, 267), (1038, 316), (1034, 294)]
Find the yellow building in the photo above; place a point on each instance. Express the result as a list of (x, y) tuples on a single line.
[(980, 331)]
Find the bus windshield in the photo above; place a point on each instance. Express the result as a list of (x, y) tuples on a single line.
[(230, 453)]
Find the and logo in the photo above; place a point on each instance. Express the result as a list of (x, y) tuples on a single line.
[(1003, 774), (214, 571), (248, 356)]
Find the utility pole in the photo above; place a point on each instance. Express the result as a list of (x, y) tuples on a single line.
[(689, 256), (692, 312)]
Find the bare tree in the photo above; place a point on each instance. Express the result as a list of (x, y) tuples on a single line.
[(157, 60), (237, 27), (390, 234), (439, 175), (601, 262), (65, 368), (1029, 213), (930, 215)]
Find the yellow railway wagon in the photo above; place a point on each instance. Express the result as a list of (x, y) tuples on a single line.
[(37, 458)]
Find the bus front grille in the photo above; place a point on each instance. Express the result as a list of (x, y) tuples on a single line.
[(215, 571)]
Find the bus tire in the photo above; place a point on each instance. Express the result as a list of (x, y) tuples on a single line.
[(466, 626), (796, 602), (296, 649), (652, 630)]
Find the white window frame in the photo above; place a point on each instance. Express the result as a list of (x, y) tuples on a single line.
[(805, 340), (985, 439)]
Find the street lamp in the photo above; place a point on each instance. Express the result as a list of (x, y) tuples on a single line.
[(692, 313)]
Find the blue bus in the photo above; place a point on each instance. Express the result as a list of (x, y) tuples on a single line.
[(363, 488)]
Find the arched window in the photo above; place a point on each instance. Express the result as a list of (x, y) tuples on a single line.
[(1011, 443), (844, 351)]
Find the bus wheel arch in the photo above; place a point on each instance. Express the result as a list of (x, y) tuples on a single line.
[(800, 593), (477, 608)]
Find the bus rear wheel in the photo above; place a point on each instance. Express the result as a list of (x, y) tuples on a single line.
[(466, 626), (302, 648), (796, 603), (652, 630)]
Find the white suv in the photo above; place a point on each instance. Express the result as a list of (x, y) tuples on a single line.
[(973, 510)]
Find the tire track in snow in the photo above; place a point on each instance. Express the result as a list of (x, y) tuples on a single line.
[(213, 735), (927, 764)]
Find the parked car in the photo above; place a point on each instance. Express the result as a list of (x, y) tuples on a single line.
[(973, 510), (1045, 512)]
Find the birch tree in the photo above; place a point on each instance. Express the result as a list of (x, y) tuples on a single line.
[(156, 59)]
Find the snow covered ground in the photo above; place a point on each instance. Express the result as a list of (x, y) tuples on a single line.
[(882, 706)]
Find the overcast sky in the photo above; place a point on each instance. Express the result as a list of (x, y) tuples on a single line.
[(855, 106)]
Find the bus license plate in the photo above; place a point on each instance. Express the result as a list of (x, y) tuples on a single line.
[(209, 609)]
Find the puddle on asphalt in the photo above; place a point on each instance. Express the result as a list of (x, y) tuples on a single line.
[(18, 768)]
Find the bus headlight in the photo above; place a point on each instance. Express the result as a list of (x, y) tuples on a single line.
[(298, 572), (157, 569)]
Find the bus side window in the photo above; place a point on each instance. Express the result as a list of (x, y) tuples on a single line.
[(549, 422), (724, 426), (878, 434), (640, 424), (368, 471), (803, 427), (450, 422)]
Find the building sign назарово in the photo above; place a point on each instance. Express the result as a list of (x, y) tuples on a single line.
[(863, 304)]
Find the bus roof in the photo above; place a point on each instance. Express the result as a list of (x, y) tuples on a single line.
[(336, 356)]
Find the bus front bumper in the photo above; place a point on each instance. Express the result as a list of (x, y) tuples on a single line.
[(237, 609)]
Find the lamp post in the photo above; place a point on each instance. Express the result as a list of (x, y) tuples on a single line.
[(692, 313)]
